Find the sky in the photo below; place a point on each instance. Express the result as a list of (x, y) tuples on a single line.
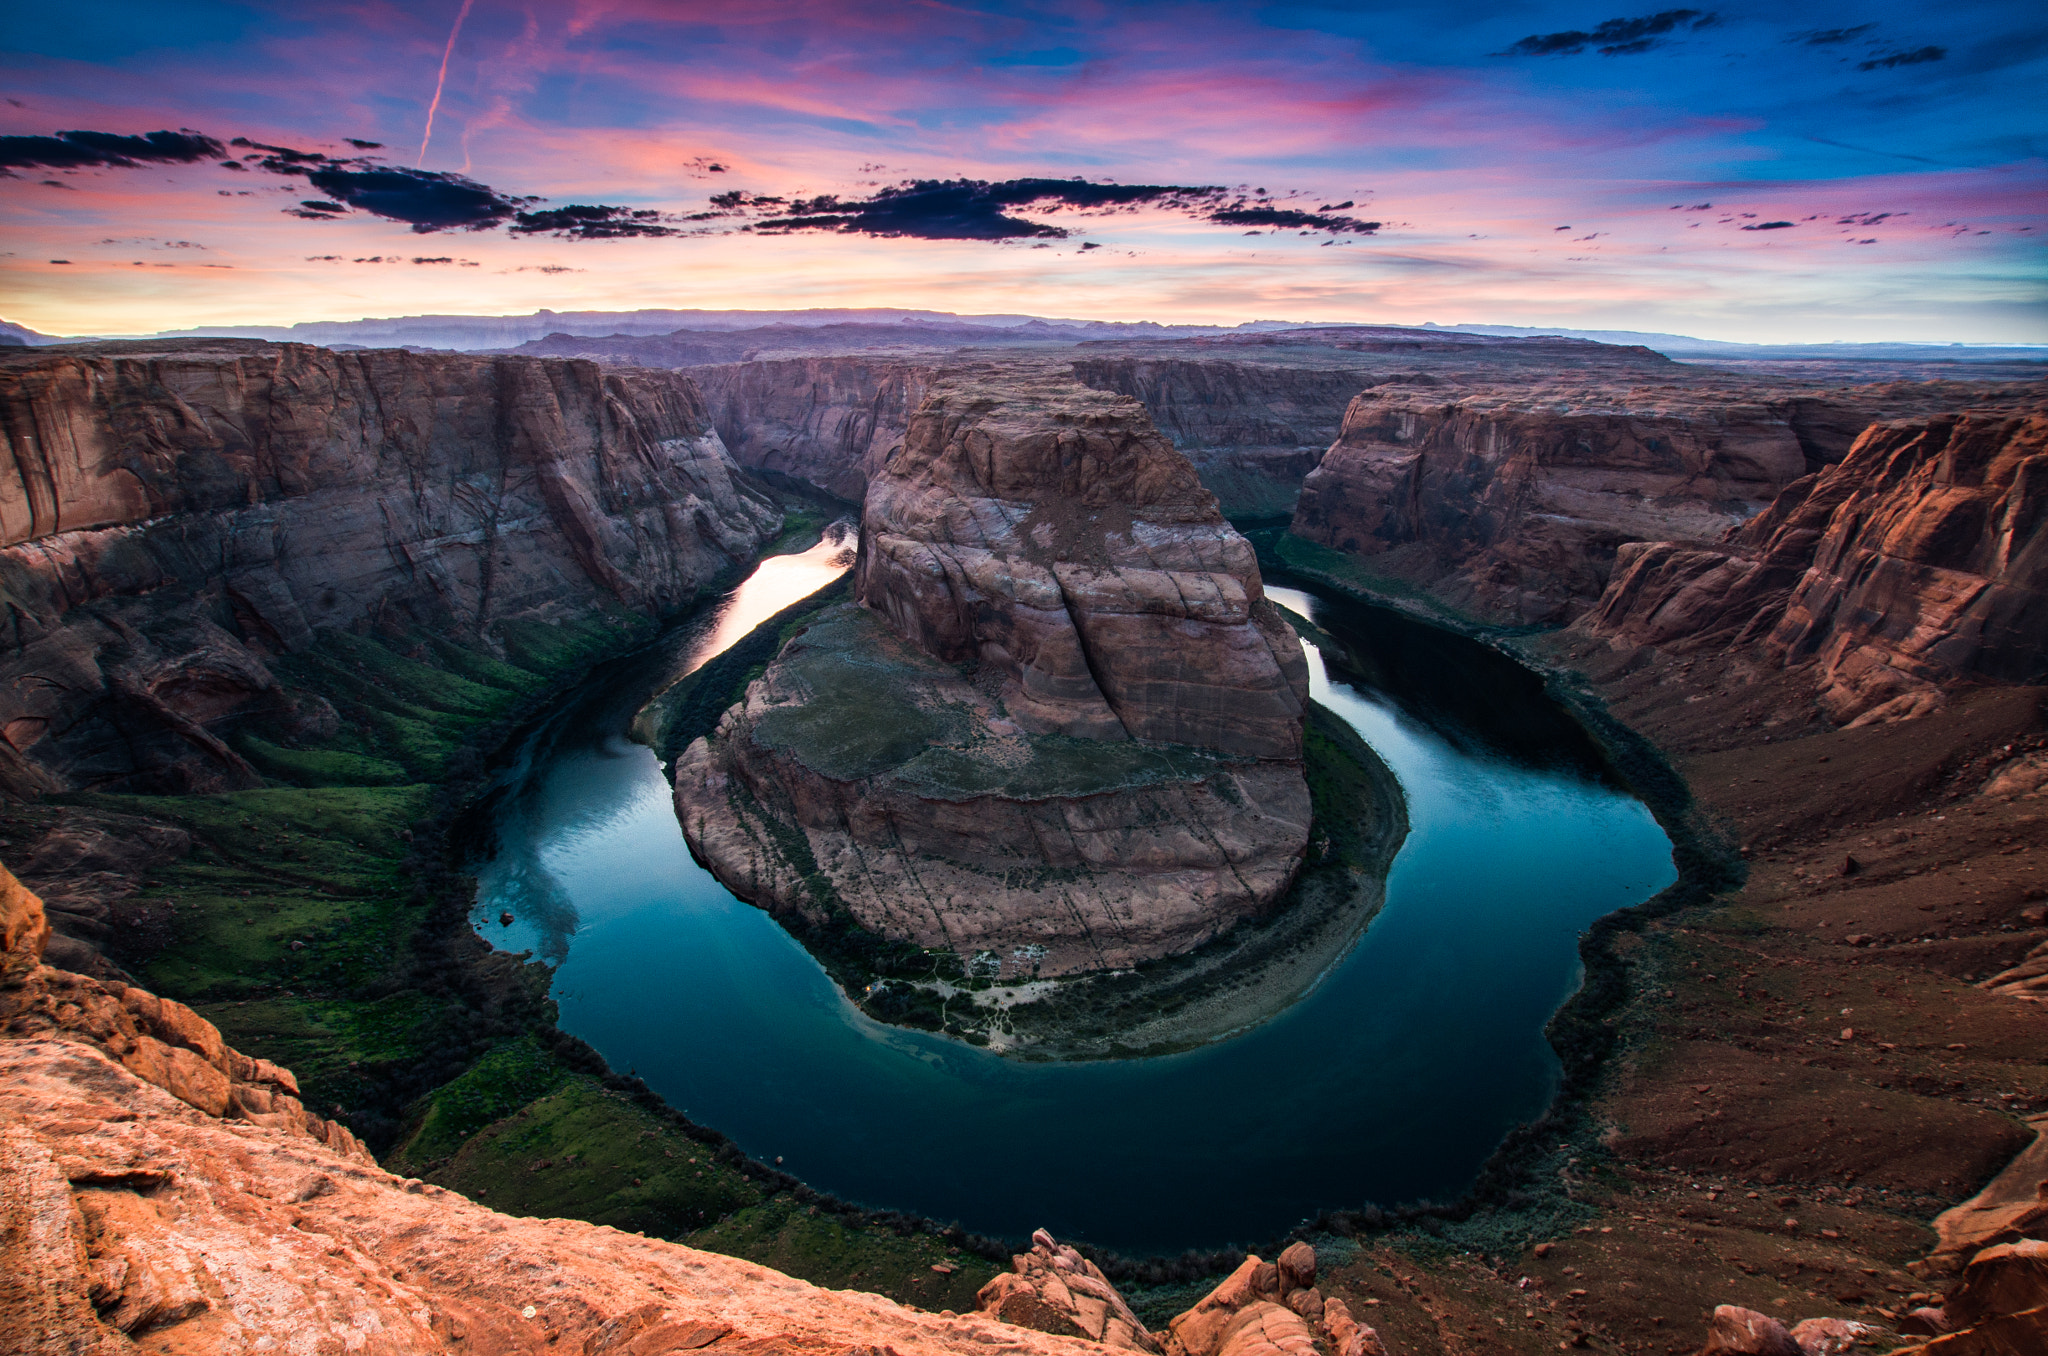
[(1762, 172)]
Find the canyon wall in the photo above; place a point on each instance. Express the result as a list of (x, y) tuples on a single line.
[(1062, 730), (1252, 430), (174, 516), (831, 421), (1919, 561), (1510, 502)]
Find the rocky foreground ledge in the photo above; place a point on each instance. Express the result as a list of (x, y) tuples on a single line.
[(1062, 730), (161, 1192)]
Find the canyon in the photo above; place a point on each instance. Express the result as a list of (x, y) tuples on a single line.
[(265, 596)]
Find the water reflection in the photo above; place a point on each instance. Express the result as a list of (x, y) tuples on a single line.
[(582, 797)]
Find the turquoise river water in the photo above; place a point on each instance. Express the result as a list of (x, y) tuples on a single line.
[(1391, 1081)]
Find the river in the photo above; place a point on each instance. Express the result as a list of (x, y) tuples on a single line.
[(1391, 1081)]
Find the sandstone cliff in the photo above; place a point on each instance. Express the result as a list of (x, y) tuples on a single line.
[(1252, 430), (1510, 501), (175, 516), (831, 421), (1063, 734), (1920, 561)]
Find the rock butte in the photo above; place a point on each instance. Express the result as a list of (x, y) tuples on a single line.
[(1062, 729)]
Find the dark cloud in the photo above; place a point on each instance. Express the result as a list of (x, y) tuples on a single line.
[(1281, 218), (966, 209), (1768, 226), (1916, 57), (1827, 37), (976, 209), (426, 200), (580, 222), (78, 150), (362, 145), (422, 199), (1616, 37)]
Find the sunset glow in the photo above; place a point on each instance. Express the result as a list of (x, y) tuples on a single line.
[(1734, 174)]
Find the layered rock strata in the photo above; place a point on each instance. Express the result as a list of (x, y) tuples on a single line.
[(162, 1192), (1512, 502), (174, 516), (1062, 730), (830, 421), (1918, 562)]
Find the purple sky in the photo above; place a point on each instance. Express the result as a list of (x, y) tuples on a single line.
[(1854, 172)]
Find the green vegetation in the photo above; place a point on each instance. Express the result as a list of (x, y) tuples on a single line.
[(872, 712)]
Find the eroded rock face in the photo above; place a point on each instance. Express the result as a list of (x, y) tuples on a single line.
[(1055, 1289), (830, 421), (1920, 561), (1511, 501), (1053, 536), (1062, 732), (175, 515), (1513, 509)]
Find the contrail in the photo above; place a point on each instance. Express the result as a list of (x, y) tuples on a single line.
[(441, 80)]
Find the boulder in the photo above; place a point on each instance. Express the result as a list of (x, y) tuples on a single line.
[(1054, 1289), (1265, 1329), (1347, 1336), (2006, 1278), (2013, 1205), (1831, 1336), (1265, 1307), (24, 930), (1735, 1331)]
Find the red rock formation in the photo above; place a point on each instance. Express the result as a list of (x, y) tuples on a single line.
[(1271, 1309), (1055, 537), (175, 514), (1918, 562), (1513, 508), (1055, 1289), (1510, 495), (1075, 745)]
